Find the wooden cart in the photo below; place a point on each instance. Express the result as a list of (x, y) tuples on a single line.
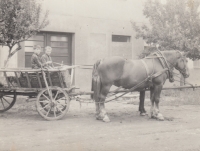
[(51, 87)]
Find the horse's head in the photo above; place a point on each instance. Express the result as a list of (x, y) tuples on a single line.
[(182, 65)]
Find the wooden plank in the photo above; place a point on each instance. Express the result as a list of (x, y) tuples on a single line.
[(19, 85), (28, 80), (38, 77), (72, 76), (45, 80), (49, 76), (64, 67), (61, 79), (19, 70), (5, 74), (21, 89), (165, 88), (32, 93), (81, 93)]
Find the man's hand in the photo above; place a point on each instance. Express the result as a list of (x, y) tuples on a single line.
[(48, 62)]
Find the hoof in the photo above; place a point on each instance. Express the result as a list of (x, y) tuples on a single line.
[(160, 117), (143, 114), (106, 119), (98, 117), (153, 117)]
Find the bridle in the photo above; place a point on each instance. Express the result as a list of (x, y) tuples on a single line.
[(182, 71), (166, 64)]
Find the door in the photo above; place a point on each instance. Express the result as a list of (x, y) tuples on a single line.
[(61, 44), (61, 48)]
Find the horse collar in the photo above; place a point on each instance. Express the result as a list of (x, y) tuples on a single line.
[(164, 63)]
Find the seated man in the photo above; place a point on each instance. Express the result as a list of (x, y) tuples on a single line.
[(35, 60), (46, 58)]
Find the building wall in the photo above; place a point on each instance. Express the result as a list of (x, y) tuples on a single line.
[(3, 56), (92, 23)]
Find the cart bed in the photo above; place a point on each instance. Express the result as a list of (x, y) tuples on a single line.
[(33, 78)]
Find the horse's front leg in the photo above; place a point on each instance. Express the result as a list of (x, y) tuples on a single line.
[(156, 99), (152, 102), (141, 105)]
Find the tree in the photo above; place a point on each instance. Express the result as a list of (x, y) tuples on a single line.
[(173, 25), (19, 20)]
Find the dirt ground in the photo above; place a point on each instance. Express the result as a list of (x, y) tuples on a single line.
[(23, 129)]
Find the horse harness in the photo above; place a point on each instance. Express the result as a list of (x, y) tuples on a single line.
[(164, 64)]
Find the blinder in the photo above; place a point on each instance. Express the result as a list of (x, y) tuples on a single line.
[(182, 71)]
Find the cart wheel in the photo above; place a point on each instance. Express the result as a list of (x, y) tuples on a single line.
[(55, 108), (7, 101)]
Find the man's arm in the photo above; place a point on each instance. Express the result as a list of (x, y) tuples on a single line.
[(43, 60), (37, 61)]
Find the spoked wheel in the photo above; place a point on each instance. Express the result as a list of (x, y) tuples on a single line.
[(6, 101), (52, 106)]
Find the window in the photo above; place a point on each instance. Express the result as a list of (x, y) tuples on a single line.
[(60, 43), (121, 46), (28, 47), (34, 40), (121, 38)]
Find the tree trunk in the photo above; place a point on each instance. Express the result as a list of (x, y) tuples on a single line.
[(11, 53), (7, 61)]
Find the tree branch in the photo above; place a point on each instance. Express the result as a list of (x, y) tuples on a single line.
[(17, 49)]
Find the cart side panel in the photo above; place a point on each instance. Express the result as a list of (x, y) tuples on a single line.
[(35, 79)]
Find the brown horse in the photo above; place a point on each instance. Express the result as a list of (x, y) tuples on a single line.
[(150, 72)]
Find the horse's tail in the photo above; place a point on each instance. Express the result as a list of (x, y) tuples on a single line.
[(96, 82)]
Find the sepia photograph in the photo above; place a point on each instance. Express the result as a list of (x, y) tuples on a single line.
[(99, 75)]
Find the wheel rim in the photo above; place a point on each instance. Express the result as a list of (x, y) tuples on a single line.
[(6, 101), (52, 109)]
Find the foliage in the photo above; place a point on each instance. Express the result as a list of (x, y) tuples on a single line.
[(173, 25), (19, 20)]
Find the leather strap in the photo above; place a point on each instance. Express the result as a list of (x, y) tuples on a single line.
[(159, 73), (164, 63)]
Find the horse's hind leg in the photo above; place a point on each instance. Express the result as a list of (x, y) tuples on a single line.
[(97, 104), (141, 105), (102, 112)]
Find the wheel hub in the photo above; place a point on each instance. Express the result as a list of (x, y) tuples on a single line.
[(53, 104)]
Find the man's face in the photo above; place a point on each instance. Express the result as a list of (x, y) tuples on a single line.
[(38, 51), (48, 52)]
